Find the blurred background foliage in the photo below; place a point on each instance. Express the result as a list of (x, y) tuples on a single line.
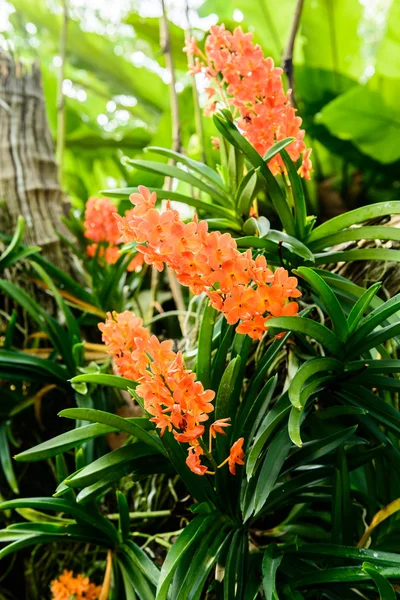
[(346, 74)]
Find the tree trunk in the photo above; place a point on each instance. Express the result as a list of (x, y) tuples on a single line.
[(29, 183)]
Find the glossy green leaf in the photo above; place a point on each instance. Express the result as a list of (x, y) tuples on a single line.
[(119, 423), (121, 383), (272, 464), (372, 232), (380, 254), (273, 418), (195, 165), (107, 464), (208, 207), (181, 175), (353, 217), (192, 534), (329, 300), (308, 370), (230, 131), (361, 306), (5, 459), (299, 202), (307, 327), (270, 564), (203, 365)]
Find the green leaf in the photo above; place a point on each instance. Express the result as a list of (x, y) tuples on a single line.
[(119, 423), (373, 340), (376, 407), (72, 439), (307, 327), (306, 371), (361, 116), (361, 306), (195, 165), (373, 232), (230, 131), (203, 365), (329, 300), (291, 243), (203, 561), (379, 254), (273, 418), (245, 198), (277, 148), (181, 175), (189, 536), (374, 319), (121, 383), (60, 505), (271, 467), (299, 202), (33, 367), (124, 520), (5, 459), (235, 566), (294, 424), (162, 194), (386, 591), (107, 464), (353, 217), (270, 564), (350, 552)]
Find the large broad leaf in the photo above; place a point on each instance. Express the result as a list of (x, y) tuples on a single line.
[(95, 53), (361, 115)]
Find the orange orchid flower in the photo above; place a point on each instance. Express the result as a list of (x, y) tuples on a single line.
[(236, 455)]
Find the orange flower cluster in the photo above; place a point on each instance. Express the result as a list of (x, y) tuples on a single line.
[(243, 79), (170, 392), (100, 226), (242, 288), (80, 588)]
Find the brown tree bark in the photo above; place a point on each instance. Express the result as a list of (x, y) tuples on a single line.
[(29, 183)]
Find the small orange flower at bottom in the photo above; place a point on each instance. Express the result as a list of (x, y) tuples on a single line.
[(236, 455), (217, 427), (80, 588), (193, 460)]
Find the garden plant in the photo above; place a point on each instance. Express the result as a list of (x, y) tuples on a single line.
[(228, 395)]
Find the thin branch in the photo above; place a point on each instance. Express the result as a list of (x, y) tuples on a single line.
[(271, 26), (60, 95), (198, 121), (165, 42), (288, 53)]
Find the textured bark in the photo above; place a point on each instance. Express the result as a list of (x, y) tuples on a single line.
[(29, 183)]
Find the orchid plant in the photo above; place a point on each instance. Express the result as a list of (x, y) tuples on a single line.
[(284, 413)]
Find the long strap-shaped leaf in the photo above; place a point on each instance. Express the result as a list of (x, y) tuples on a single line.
[(195, 165), (372, 232), (308, 370), (162, 194), (120, 423), (359, 215), (232, 134), (361, 306), (299, 201), (375, 318), (180, 174), (329, 300), (308, 327), (192, 534), (325, 258)]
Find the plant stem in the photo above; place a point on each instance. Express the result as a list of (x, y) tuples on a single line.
[(198, 121), (60, 95), (288, 53), (165, 42)]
